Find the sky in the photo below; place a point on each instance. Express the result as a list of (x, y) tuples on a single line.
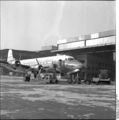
[(29, 25)]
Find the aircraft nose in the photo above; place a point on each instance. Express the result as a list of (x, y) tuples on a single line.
[(78, 65), (74, 64)]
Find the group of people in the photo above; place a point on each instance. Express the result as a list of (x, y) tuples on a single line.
[(41, 74), (33, 74)]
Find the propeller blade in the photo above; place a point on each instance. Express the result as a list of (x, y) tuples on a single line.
[(37, 61)]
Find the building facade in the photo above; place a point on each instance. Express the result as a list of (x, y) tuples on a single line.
[(96, 51)]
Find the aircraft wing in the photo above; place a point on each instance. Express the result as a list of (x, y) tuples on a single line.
[(11, 68)]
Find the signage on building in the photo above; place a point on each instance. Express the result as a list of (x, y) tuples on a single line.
[(93, 40), (101, 41), (61, 41), (71, 45), (95, 35)]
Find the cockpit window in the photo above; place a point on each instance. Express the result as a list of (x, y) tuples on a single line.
[(70, 59)]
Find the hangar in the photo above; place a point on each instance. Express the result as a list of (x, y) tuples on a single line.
[(96, 51)]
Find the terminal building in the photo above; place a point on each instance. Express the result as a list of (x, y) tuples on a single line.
[(96, 51)]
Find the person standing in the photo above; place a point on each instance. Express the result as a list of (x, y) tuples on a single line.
[(28, 75), (55, 74)]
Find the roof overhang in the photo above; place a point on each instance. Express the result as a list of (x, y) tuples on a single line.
[(99, 48)]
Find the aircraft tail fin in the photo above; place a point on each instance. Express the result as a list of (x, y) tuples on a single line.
[(10, 58)]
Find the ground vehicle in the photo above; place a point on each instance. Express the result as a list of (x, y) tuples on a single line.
[(103, 76)]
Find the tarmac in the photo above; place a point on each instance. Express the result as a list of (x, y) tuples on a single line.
[(36, 100)]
